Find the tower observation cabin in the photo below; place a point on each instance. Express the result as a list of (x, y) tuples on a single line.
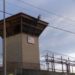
[(22, 46)]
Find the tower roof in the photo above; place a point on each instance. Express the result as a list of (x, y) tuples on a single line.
[(22, 22)]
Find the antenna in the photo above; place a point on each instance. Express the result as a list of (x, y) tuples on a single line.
[(39, 16), (37, 20)]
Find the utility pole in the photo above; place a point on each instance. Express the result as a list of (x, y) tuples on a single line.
[(4, 39)]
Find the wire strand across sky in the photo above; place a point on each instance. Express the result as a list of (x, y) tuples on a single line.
[(54, 27), (44, 10)]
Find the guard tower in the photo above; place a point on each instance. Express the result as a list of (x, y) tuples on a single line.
[(22, 33)]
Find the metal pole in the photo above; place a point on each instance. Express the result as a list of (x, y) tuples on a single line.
[(47, 61), (72, 69), (62, 64), (4, 39)]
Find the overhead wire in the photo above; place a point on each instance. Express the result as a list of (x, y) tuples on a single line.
[(17, 6), (56, 53), (44, 10), (53, 14), (54, 27), (5, 12), (24, 9)]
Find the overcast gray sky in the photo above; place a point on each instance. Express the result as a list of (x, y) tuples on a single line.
[(60, 13)]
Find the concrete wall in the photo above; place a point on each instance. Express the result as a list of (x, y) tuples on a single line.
[(14, 49), (19, 50), (30, 52), (14, 52)]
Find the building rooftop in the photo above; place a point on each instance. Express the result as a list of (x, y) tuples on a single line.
[(22, 22)]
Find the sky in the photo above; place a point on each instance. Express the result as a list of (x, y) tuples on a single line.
[(59, 13)]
